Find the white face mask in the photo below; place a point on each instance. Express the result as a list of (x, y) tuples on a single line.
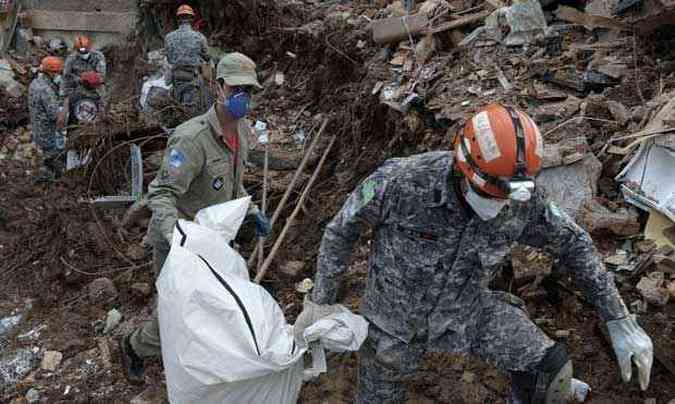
[(85, 56), (485, 208), (57, 79)]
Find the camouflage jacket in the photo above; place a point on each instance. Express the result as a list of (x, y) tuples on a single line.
[(186, 47), (432, 259), (44, 104), (198, 170), (75, 65)]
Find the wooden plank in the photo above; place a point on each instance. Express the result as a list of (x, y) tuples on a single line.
[(82, 21), (395, 29), (461, 22)]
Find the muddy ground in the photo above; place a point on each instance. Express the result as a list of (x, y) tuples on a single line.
[(53, 244)]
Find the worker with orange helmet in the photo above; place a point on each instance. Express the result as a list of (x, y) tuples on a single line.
[(46, 116), (186, 52), (443, 226), (83, 59)]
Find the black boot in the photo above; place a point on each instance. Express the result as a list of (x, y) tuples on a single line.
[(133, 364)]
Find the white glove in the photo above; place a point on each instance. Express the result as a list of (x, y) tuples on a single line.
[(632, 344), (311, 313)]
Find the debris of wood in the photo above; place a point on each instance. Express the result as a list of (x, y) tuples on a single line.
[(394, 29), (289, 222), (461, 22), (622, 222), (590, 22)]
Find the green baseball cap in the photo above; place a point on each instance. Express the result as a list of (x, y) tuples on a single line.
[(237, 69)]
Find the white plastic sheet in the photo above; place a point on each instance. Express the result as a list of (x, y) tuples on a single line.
[(147, 89), (647, 180), (225, 338)]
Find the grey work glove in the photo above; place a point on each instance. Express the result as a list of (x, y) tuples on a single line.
[(632, 344), (311, 313)]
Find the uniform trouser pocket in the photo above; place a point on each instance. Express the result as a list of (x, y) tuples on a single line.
[(384, 363), (505, 336)]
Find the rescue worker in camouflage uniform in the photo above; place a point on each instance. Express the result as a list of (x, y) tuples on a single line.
[(47, 118), (186, 51), (443, 225), (83, 59), (203, 166)]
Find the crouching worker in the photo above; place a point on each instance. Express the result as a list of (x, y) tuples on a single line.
[(203, 165), (48, 118), (443, 225)]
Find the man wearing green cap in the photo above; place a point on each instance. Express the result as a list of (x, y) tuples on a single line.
[(203, 165)]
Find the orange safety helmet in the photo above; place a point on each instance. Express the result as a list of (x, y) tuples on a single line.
[(185, 10), (52, 64), (500, 152), (82, 42)]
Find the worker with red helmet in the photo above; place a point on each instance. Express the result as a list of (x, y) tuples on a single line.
[(46, 115), (83, 59), (443, 226), (186, 52)]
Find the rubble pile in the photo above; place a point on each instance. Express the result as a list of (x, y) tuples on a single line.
[(391, 82)]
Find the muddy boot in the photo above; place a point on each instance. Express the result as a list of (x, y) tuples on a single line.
[(132, 364)]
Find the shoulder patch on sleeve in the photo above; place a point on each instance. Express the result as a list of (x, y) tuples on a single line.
[(368, 191), (176, 160)]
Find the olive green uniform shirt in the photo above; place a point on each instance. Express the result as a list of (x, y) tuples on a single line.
[(198, 170)]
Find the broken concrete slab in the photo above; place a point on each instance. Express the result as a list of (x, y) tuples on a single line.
[(565, 152), (557, 110), (51, 360), (7, 82), (594, 217), (652, 289), (572, 186), (619, 111)]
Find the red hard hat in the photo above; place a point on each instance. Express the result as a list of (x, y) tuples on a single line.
[(185, 10), (91, 78), (52, 64), (498, 147)]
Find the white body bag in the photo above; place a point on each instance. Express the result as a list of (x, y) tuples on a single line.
[(225, 338)]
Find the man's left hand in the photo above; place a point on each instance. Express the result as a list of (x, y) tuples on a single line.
[(263, 227), (632, 345)]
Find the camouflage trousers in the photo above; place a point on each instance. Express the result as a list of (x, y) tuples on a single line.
[(53, 160), (193, 95), (504, 337), (145, 339)]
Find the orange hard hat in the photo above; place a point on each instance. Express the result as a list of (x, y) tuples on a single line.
[(500, 152), (185, 10), (82, 42), (51, 64)]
